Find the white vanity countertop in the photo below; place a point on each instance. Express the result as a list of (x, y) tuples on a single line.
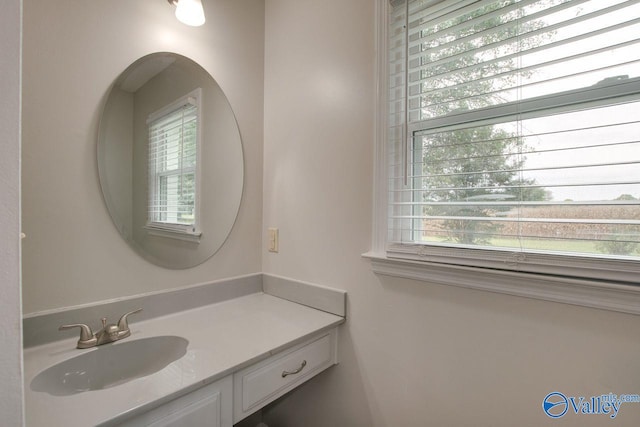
[(223, 338)]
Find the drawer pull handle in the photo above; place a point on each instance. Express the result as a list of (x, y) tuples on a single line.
[(297, 371)]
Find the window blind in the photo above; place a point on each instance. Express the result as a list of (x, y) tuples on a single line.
[(172, 166), (514, 134)]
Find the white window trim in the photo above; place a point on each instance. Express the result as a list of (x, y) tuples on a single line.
[(600, 294), (174, 233), (190, 233)]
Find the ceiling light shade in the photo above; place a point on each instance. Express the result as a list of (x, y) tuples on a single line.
[(189, 12)]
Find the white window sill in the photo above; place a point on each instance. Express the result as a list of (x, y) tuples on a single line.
[(174, 234), (588, 293)]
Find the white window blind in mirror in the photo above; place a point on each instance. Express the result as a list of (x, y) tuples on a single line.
[(514, 135), (173, 154)]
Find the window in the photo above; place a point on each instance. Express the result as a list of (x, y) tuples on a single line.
[(513, 136), (174, 134)]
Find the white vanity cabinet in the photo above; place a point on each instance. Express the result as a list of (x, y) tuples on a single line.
[(262, 383), (235, 397), (209, 406), (242, 354)]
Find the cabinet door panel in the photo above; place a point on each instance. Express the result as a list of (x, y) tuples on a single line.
[(209, 406), (205, 412)]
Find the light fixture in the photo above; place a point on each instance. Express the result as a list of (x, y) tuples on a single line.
[(189, 12)]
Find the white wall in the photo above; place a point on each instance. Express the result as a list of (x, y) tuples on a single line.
[(72, 53), (412, 353), (11, 401)]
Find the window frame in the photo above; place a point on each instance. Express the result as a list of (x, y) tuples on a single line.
[(613, 287), (188, 232)]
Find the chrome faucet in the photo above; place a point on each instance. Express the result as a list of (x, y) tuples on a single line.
[(108, 333)]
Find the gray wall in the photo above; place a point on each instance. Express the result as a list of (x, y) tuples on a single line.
[(412, 353)]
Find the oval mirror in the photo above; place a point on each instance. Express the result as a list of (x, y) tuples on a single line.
[(170, 160)]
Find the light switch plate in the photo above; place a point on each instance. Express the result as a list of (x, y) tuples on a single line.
[(273, 239)]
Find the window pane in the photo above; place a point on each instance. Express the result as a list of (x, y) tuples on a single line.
[(500, 52), (568, 182), (172, 165)]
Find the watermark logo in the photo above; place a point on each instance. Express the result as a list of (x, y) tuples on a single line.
[(557, 404)]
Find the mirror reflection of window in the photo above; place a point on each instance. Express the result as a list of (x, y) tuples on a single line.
[(173, 158), (210, 198)]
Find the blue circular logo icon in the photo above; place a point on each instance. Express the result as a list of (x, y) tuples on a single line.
[(555, 404)]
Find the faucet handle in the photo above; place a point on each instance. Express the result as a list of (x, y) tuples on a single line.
[(123, 323), (87, 338)]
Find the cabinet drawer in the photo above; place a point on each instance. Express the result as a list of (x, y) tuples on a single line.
[(262, 383)]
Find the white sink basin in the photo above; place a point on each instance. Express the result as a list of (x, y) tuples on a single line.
[(109, 365)]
